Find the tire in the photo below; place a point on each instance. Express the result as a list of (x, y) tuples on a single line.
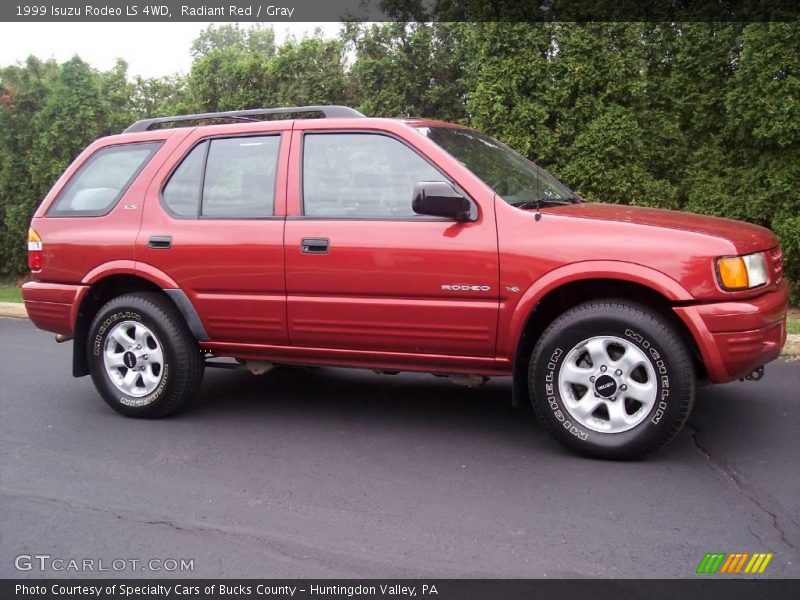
[(142, 358), (630, 367)]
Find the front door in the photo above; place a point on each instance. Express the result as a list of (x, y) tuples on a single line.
[(364, 272)]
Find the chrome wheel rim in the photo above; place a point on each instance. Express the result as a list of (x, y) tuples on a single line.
[(133, 359), (607, 384)]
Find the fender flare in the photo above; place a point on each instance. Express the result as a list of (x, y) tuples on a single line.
[(156, 277), (114, 267), (583, 271)]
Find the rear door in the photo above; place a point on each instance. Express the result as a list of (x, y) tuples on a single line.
[(363, 271), (214, 224)]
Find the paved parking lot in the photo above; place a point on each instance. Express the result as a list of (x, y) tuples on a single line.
[(339, 473)]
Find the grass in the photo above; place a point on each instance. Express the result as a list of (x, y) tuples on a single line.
[(10, 292), (793, 321)]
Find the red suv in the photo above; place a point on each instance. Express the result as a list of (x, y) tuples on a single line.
[(392, 244)]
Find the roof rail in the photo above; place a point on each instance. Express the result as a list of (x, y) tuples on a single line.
[(329, 112)]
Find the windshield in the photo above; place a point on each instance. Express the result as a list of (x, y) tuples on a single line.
[(514, 178)]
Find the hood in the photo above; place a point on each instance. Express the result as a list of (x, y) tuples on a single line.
[(746, 237)]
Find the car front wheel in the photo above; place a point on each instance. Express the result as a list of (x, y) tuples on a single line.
[(612, 379)]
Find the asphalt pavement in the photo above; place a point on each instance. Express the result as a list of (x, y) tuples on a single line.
[(344, 473)]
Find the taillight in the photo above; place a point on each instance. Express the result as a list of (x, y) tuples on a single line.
[(34, 251)]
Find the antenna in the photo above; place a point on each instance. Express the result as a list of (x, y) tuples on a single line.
[(538, 214)]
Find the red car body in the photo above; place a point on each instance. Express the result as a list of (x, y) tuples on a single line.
[(377, 299)]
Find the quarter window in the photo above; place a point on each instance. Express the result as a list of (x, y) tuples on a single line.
[(361, 176), (102, 180), (182, 194)]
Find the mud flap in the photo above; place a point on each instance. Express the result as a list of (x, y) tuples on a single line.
[(520, 393)]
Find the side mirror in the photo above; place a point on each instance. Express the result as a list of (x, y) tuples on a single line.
[(440, 199)]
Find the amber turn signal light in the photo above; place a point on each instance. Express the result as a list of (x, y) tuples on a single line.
[(742, 272)]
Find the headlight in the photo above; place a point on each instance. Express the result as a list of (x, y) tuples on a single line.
[(742, 272)]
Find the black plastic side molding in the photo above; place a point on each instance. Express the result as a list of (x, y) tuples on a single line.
[(189, 313)]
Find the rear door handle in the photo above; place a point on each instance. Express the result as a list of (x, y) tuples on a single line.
[(163, 242), (315, 245)]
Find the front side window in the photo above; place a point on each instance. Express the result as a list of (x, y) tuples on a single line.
[(514, 178), (361, 175), (225, 178), (100, 182)]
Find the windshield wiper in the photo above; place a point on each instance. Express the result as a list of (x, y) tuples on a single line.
[(540, 202)]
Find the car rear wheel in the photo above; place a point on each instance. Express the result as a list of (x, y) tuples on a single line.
[(142, 358), (612, 379)]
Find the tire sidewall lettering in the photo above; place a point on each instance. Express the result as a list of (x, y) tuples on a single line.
[(98, 343), (662, 373), (555, 358), (656, 342), (553, 398), (155, 395), (108, 322)]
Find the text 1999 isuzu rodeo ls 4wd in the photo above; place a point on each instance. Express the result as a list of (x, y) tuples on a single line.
[(392, 244)]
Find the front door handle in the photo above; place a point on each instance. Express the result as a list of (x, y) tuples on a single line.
[(315, 245), (163, 242)]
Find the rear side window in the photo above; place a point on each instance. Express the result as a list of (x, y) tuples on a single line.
[(102, 180), (226, 178)]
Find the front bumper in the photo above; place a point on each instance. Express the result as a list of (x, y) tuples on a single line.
[(53, 306), (736, 337)]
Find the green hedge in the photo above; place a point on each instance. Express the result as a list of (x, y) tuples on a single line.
[(696, 116)]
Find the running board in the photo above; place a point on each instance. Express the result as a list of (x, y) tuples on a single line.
[(223, 363)]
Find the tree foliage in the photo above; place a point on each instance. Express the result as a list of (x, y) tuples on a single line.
[(408, 69), (693, 116), (238, 69)]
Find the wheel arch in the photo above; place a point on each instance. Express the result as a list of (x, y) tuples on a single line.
[(550, 299), (116, 280)]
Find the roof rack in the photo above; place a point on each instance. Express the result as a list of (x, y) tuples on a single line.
[(330, 112)]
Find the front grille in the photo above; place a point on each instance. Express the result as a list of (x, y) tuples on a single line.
[(776, 264)]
